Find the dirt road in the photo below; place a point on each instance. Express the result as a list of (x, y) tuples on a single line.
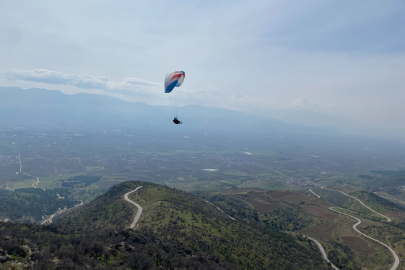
[(220, 210), (387, 218), (320, 247), (396, 262), (314, 193), (396, 258), (140, 209)]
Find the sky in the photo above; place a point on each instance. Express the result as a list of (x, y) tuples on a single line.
[(342, 58)]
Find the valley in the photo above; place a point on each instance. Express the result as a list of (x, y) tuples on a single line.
[(249, 199)]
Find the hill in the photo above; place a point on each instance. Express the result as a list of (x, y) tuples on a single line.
[(178, 230), (303, 215), (108, 211), (180, 224)]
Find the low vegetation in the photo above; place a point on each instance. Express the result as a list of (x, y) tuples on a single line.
[(36, 247), (31, 204), (290, 217), (80, 181), (108, 211), (190, 228)]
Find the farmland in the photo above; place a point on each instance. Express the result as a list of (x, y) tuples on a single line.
[(311, 216)]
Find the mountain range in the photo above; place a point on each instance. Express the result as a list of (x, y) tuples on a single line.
[(45, 108)]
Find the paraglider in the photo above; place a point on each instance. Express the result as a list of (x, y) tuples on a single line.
[(176, 121), (172, 80)]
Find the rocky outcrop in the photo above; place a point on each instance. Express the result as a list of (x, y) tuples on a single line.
[(6, 258)]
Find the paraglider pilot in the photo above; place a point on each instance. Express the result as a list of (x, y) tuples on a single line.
[(172, 80), (176, 121)]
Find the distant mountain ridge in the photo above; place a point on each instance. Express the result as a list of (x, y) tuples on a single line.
[(37, 107)]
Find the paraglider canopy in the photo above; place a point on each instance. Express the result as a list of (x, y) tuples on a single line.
[(174, 79)]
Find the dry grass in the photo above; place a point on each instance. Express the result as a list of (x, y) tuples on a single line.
[(277, 194), (319, 211), (295, 197), (345, 228), (395, 215), (258, 205), (323, 231), (262, 206), (345, 189), (237, 191), (359, 245), (257, 194), (365, 223)]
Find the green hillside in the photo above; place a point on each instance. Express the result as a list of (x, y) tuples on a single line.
[(289, 217), (176, 231), (33, 203), (108, 211), (372, 200)]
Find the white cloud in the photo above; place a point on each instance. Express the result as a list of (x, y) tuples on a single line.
[(305, 104), (127, 86), (301, 103), (242, 101), (129, 89), (133, 86), (54, 77)]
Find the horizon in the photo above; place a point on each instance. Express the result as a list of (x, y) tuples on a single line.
[(291, 116)]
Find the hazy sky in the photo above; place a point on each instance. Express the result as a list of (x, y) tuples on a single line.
[(343, 57)]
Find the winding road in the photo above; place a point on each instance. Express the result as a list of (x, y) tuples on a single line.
[(49, 220), (387, 218), (396, 263), (320, 247), (396, 258), (140, 209), (315, 193), (60, 211), (220, 210), (35, 184)]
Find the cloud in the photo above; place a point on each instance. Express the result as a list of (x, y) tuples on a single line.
[(131, 85), (305, 104), (81, 81), (301, 103), (240, 99), (54, 77), (130, 89)]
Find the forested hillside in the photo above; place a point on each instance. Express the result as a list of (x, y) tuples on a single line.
[(176, 230)]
